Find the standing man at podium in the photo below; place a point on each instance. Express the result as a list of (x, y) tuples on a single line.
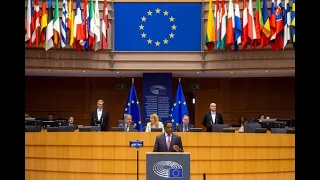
[(100, 117), (168, 142), (212, 117)]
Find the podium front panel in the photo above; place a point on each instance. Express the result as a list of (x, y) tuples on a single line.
[(166, 166)]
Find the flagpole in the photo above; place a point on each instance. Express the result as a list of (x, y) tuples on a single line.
[(132, 80)]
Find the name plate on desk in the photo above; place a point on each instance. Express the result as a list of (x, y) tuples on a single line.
[(136, 144)]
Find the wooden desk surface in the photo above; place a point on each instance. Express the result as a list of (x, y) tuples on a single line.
[(106, 155)]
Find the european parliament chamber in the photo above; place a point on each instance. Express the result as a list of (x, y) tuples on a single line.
[(159, 90)]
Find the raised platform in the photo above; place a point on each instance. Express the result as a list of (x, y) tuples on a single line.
[(106, 155)]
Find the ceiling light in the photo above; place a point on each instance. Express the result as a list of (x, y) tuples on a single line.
[(117, 72), (266, 71), (49, 70), (83, 71), (198, 72), (231, 72)]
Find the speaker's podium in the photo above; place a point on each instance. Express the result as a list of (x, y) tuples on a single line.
[(168, 165)]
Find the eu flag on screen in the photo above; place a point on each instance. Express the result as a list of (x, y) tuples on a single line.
[(179, 108), (175, 173), (133, 108), (157, 26)]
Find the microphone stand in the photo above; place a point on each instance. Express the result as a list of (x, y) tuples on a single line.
[(137, 144), (137, 163)]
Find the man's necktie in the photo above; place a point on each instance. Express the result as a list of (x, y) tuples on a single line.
[(185, 128), (168, 142)]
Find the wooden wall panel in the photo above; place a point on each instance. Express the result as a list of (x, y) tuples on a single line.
[(77, 96)]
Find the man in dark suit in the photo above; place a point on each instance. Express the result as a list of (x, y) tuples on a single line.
[(212, 117), (100, 117), (128, 125), (185, 126), (168, 142)]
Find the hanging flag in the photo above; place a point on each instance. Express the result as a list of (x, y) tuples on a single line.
[(230, 27), (56, 24), (79, 35), (258, 24), (44, 24), (157, 26), (86, 24), (133, 108), (244, 35), (210, 33), (91, 26), (251, 25), (49, 30), (293, 23), (179, 108), (97, 28), (218, 26), (105, 26), (223, 25), (265, 35), (287, 23), (279, 26), (64, 23), (237, 26), (35, 33), (273, 27), (70, 23), (28, 36)]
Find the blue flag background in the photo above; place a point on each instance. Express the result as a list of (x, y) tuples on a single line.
[(179, 107), (157, 26), (133, 108), (157, 95)]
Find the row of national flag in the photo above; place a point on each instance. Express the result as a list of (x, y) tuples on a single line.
[(79, 27), (262, 27)]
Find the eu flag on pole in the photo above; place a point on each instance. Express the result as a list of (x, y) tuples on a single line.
[(133, 108), (157, 26), (179, 108)]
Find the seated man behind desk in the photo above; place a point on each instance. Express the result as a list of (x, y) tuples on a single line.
[(100, 117), (168, 142), (71, 123), (185, 126), (127, 125)]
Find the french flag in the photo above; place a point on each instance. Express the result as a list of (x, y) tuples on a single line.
[(79, 33), (238, 28)]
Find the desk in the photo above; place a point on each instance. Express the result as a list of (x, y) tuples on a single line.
[(106, 155)]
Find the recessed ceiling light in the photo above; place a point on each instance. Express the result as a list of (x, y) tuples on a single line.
[(83, 71), (117, 72), (198, 72), (267, 71), (49, 70), (231, 72)]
